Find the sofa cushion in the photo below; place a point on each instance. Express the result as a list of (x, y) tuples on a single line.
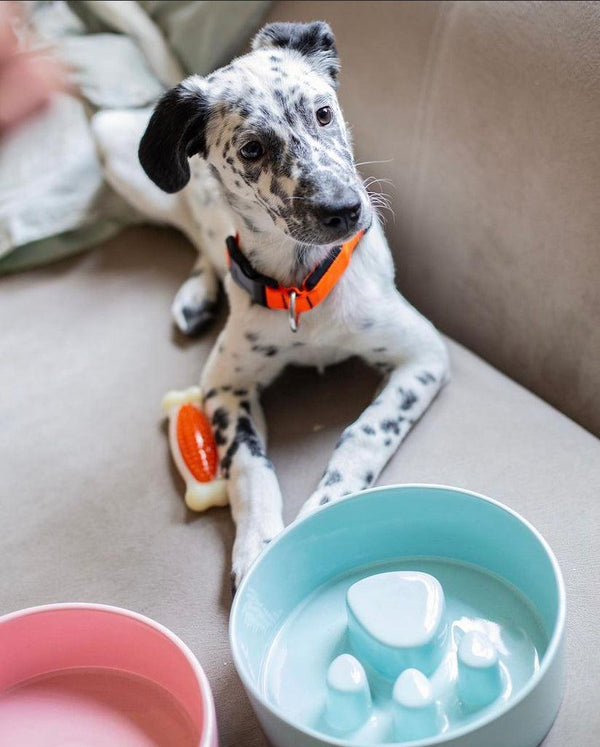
[(91, 508)]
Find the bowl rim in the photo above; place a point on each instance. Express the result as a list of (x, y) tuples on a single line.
[(208, 709), (474, 726)]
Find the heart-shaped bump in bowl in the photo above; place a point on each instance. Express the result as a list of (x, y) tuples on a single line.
[(396, 621)]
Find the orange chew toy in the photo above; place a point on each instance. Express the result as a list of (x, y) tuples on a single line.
[(196, 443), (194, 450)]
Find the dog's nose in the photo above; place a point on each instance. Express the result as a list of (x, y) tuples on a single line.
[(340, 215)]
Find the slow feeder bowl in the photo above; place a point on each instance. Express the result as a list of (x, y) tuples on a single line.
[(411, 615), (83, 674)]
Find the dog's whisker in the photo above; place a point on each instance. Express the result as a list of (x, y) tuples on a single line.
[(380, 196), (369, 181), (368, 163), (382, 203)]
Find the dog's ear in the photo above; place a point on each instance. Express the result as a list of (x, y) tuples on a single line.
[(314, 40), (176, 131)]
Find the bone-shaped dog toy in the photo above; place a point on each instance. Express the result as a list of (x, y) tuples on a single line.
[(194, 450)]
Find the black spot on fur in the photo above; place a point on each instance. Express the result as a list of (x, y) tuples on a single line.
[(325, 499), (211, 393), (426, 378), (267, 350), (245, 405), (240, 392), (289, 117), (197, 319), (245, 435), (380, 350), (387, 442), (369, 478), (408, 398), (369, 430), (215, 172), (390, 426), (251, 336), (331, 478), (220, 419)]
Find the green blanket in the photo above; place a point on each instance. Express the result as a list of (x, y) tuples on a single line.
[(53, 199)]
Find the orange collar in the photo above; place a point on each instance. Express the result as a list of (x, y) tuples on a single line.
[(315, 287)]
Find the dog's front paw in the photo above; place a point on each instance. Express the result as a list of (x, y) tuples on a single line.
[(245, 551), (192, 314), (192, 320)]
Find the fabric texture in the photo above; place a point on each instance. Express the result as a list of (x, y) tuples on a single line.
[(53, 198), (91, 507)]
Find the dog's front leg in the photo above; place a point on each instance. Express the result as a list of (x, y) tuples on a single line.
[(367, 444), (231, 402), (254, 493)]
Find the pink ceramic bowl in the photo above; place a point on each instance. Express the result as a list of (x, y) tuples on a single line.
[(89, 674)]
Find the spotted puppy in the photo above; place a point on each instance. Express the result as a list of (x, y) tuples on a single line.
[(259, 150)]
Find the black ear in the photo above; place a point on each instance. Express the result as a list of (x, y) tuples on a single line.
[(176, 131), (314, 40)]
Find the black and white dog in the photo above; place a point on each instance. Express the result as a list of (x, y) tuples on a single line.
[(260, 152)]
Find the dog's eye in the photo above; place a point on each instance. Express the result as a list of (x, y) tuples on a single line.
[(252, 151), (324, 115)]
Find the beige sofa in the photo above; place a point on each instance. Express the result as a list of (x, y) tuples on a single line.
[(490, 113)]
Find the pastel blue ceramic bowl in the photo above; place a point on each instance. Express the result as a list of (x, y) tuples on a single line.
[(463, 580)]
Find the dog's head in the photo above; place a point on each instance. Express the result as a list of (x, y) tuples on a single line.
[(270, 127)]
